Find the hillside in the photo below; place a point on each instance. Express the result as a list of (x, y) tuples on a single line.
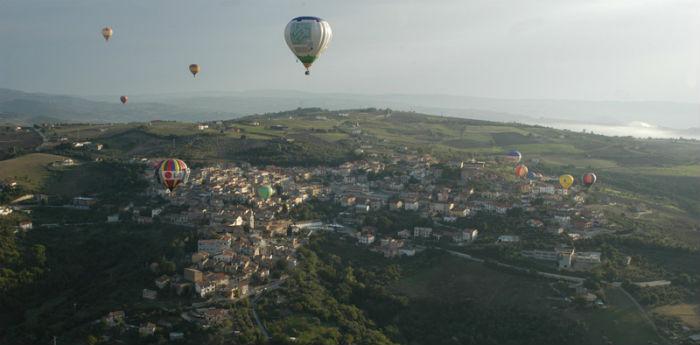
[(29, 108), (665, 172)]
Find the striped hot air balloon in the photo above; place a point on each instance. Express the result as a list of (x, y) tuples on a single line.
[(513, 156), (589, 179), (172, 173), (521, 170)]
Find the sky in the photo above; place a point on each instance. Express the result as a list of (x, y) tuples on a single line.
[(639, 50)]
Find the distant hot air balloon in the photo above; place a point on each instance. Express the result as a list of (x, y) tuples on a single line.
[(514, 156), (172, 173), (566, 181), (107, 33), (194, 69), (532, 175), (307, 37), (589, 179), (521, 170), (124, 99), (265, 192)]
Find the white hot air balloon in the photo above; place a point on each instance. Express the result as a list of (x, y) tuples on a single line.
[(308, 37)]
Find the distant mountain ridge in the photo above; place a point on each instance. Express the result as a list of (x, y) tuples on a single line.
[(24, 107)]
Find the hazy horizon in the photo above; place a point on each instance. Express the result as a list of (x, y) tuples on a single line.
[(629, 50)]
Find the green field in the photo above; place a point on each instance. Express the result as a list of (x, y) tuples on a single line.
[(621, 322), (30, 170)]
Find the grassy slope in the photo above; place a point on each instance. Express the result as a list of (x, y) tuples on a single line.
[(29, 170), (456, 279)]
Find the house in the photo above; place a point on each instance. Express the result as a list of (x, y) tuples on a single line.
[(508, 239), (84, 202), (4, 211), (411, 205), (396, 205), (26, 225), (113, 218), (214, 246), (193, 275), (466, 235), (147, 329), (114, 318), (204, 289), (407, 251), (202, 127), (422, 232), (175, 336), (405, 233), (366, 238), (149, 294)]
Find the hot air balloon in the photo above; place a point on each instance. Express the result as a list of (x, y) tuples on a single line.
[(265, 192), (308, 37), (194, 69), (514, 156), (172, 173), (566, 181), (107, 33), (589, 179), (520, 170), (124, 99), (532, 175)]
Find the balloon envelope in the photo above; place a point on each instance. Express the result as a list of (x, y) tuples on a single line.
[(514, 156), (589, 179), (265, 192), (172, 173), (521, 170), (307, 38), (124, 99), (107, 33), (194, 69), (566, 181)]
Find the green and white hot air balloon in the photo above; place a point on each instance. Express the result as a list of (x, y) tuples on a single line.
[(308, 37), (265, 192)]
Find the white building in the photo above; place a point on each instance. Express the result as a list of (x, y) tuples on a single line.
[(422, 232)]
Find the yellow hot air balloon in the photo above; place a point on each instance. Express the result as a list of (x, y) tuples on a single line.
[(566, 181), (194, 69), (107, 33)]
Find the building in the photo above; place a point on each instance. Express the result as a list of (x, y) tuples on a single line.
[(147, 329), (466, 235), (26, 225), (114, 318), (422, 232), (149, 294), (193, 275), (508, 239), (366, 238), (214, 246), (175, 336), (204, 289), (566, 257)]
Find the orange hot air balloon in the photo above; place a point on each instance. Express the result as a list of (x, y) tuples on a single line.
[(521, 170), (107, 33), (124, 99), (194, 69)]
